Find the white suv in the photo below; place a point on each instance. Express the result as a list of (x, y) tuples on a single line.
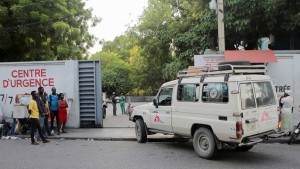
[(235, 107)]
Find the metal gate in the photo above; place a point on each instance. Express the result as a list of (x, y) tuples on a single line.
[(90, 94)]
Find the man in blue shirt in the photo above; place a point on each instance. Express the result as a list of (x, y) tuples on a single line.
[(53, 106)]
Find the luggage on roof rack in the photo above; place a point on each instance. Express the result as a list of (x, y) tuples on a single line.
[(223, 68)]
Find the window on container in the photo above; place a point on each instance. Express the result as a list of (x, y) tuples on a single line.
[(215, 93), (165, 97), (264, 94), (247, 96), (188, 92)]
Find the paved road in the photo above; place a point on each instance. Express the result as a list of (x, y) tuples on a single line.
[(119, 120), (77, 154)]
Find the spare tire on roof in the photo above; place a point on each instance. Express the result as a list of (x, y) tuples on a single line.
[(237, 62)]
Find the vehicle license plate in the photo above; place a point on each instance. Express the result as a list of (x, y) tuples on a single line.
[(251, 126)]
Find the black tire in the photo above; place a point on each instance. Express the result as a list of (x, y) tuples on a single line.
[(104, 112), (0, 131), (140, 131), (204, 143), (293, 138), (243, 148)]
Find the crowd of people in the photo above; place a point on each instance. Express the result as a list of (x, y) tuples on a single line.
[(40, 107)]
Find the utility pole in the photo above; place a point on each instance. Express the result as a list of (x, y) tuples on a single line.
[(221, 29)]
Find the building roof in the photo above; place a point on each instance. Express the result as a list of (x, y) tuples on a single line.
[(253, 56)]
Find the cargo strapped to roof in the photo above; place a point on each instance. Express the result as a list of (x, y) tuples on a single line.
[(225, 70)]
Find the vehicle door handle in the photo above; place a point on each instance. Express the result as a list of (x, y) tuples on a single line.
[(154, 112), (223, 118), (167, 112), (251, 120)]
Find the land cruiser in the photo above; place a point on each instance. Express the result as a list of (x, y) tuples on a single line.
[(234, 105)]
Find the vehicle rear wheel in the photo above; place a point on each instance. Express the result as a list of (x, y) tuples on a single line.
[(140, 131), (104, 112), (243, 148), (204, 143)]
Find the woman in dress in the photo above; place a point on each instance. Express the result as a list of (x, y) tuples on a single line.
[(286, 111), (62, 113)]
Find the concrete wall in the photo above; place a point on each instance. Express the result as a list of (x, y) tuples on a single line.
[(62, 74), (140, 98)]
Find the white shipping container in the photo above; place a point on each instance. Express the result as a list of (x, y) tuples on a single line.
[(23, 77)]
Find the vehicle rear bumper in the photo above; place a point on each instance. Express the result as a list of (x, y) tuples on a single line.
[(254, 139)]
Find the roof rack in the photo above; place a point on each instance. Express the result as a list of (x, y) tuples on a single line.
[(222, 69)]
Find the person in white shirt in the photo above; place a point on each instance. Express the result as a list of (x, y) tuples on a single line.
[(286, 111)]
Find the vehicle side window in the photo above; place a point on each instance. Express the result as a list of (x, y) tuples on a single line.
[(188, 92), (165, 97), (215, 93), (247, 96), (264, 94)]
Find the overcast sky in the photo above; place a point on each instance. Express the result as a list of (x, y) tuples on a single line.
[(115, 14)]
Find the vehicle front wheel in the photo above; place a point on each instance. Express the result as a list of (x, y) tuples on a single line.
[(204, 143), (140, 131), (243, 148)]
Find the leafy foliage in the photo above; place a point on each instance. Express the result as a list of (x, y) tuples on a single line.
[(44, 30), (249, 20)]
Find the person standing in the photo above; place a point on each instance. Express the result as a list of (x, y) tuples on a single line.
[(114, 103), (42, 110), (46, 123), (43, 113), (287, 109), (34, 118), (62, 113), (122, 103), (53, 105)]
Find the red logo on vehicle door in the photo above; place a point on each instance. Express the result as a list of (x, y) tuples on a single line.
[(156, 118), (264, 117)]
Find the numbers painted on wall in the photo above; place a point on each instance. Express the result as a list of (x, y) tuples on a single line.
[(6, 99)]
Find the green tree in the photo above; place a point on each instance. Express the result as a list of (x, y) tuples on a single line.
[(44, 30), (248, 20), (115, 72), (180, 29)]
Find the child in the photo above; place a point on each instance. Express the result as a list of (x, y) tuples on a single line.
[(62, 113)]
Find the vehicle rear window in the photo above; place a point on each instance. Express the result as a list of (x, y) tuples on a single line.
[(264, 94), (215, 93), (247, 96)]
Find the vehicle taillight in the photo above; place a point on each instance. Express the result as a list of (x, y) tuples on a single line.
[(239, 129), (279, 120)]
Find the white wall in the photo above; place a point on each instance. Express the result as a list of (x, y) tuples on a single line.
[(62, 74)]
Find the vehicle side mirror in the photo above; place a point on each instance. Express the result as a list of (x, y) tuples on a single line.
[(155, 103)]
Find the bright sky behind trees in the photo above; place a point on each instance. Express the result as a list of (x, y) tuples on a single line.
[(115, 14)]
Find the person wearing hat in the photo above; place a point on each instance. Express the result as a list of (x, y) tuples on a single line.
[(114, 103), (286, 111)]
